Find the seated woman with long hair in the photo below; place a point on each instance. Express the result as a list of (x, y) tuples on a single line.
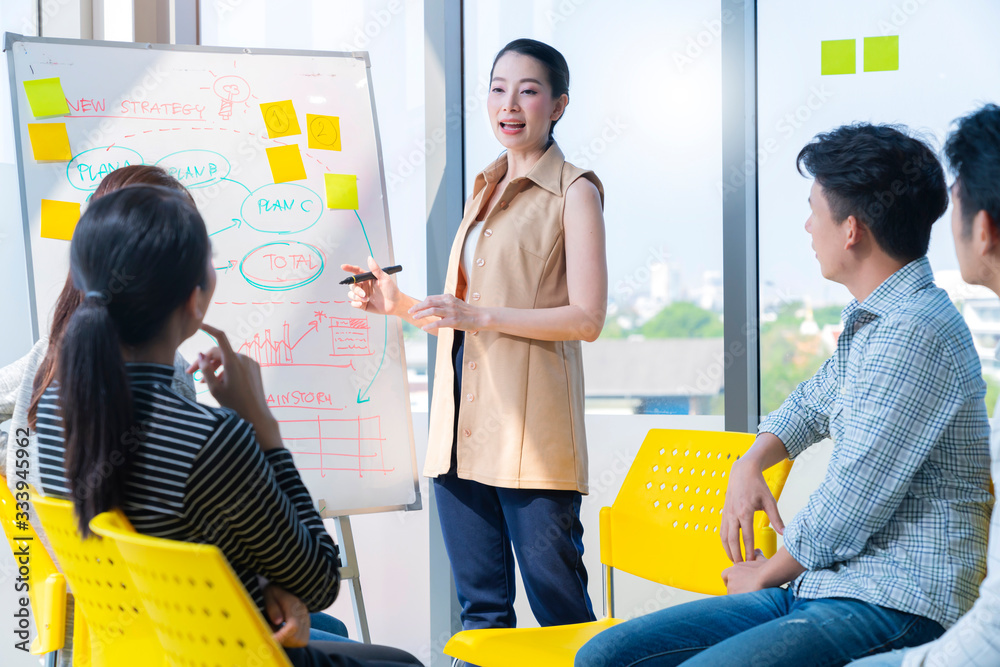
[(112, 433), (23, 381)]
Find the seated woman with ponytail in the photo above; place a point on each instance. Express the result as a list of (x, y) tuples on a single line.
[(23, 381), (112, 433)]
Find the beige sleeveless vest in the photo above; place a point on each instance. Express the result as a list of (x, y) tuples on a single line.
[(521, 414)]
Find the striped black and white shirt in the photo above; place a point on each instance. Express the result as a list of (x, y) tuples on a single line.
[(197, 474)]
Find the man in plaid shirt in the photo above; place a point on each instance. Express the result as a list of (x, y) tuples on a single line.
[(890, 549), (973, 150)]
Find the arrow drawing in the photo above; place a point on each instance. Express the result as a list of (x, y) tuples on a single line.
[(236, 223), (363, 393)]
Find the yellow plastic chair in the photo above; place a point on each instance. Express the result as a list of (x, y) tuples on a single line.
[(201, 611), (119, 628), (46, 587), (663, 526)]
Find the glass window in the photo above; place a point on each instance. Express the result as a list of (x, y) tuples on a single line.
[(931, 74), (645, 115)]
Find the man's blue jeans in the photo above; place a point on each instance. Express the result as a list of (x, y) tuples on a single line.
[(769, 627)]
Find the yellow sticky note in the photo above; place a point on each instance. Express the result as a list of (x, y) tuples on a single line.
[(286, 163), (838, 56), (324, 132), (59, 219), (46, 97), (279, 117), (882, 53), (341, 191), (49, 141)]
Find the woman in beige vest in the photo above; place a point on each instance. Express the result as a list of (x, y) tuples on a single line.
[(527, 281)]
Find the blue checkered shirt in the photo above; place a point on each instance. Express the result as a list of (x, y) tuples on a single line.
[(901, 518)]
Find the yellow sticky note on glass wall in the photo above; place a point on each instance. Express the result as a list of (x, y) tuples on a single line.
[(324, 132), (341, 191), (59, 219), (279, 117), (882, 53), (286, 163), (46, 97), (49, 141), (838, 56)]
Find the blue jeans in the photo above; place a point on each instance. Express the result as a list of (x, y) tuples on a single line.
[(482, 523), (769, 627), (326, 628)]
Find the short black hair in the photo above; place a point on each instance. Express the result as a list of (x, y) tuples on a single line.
[(973, 151), (886, 178)]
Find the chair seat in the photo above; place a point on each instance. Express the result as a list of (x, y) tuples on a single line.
[(554, 646)]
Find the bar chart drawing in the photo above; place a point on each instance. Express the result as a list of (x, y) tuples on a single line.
[(323, 338), (352, 445), (267, 351)]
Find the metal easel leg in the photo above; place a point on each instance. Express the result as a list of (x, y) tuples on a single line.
[(349, 571), (609, 591)]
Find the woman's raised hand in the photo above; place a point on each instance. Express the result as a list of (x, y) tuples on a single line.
[(238, 386), (379, 296)]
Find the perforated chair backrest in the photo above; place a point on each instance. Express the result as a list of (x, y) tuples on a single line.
[(202, 613), (664, 524), (103, 590), (46, 587)]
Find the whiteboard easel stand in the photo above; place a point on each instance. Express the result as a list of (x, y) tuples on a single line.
[(349, 557), (349, 570)]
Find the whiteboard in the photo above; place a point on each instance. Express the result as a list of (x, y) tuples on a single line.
[(335, 376)]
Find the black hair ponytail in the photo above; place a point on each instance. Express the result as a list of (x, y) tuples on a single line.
[(96, 409), (137, 254)]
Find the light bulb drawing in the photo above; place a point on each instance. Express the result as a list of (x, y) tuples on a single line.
[(231, 90)]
